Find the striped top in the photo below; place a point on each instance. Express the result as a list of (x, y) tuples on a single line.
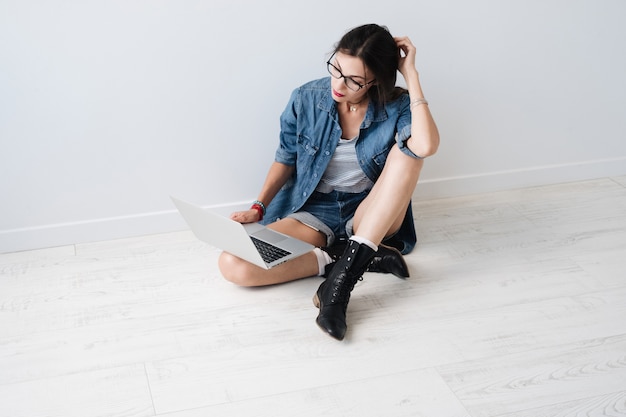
[(344, 173)]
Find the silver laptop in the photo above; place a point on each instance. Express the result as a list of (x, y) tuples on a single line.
[(253, 242)]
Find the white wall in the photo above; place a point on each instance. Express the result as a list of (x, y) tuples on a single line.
[(109, 106)]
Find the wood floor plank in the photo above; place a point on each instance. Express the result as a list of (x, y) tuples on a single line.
[(13, 258), (387, 341), (606, 267), (412, 394), (480, 285), (77, 291), (610, 405), (535, 225), (116, 392), (505, 287), (135, 332), (539, 378)]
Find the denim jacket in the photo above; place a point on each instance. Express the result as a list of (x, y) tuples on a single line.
[(309, 135)]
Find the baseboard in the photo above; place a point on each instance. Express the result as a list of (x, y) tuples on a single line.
[(521, 178), (97, 230), (168, 221)]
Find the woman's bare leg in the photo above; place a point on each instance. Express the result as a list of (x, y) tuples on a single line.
[(382, 212), (244, 273)]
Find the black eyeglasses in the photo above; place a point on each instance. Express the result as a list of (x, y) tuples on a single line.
[(350, 82)]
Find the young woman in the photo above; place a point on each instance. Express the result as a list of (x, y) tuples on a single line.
[(351, 150)]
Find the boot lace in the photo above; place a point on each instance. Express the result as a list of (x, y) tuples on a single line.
[(342, 287)]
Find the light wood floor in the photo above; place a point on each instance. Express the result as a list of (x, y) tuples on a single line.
[(516, 307)]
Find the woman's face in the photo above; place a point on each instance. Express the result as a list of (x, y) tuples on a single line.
[(349, 73)]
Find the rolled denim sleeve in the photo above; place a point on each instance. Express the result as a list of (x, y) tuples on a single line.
[(287, 148), (404, 128)]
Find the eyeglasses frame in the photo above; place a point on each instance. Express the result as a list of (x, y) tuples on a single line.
[(345, 77)]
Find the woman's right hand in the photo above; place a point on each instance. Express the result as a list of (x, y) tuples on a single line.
[(406, 58), (247, 216)]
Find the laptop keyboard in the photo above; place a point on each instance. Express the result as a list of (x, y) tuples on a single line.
[(269, 252)]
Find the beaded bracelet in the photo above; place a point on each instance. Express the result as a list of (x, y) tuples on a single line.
[(259, 207), (260, 203), (259, 210)]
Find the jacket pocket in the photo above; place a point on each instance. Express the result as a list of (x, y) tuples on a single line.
[(380, 158), (306, 145)]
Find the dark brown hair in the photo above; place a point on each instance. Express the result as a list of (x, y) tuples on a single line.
[(375, 46)]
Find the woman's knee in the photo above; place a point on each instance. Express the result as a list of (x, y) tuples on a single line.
[(236, 270)]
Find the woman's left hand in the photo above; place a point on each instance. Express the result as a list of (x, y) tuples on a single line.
[(406, 56)]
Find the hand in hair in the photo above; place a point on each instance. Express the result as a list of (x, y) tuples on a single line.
[(406, 56)]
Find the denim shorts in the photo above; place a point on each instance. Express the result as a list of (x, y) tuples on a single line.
[(330, 213)]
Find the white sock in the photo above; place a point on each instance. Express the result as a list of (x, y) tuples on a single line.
[(363, 241), (323, 259)]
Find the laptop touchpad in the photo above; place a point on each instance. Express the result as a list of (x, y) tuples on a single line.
[(269, 236)]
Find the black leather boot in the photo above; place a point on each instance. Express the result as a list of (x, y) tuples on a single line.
[(333, 295), (387, 260)]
